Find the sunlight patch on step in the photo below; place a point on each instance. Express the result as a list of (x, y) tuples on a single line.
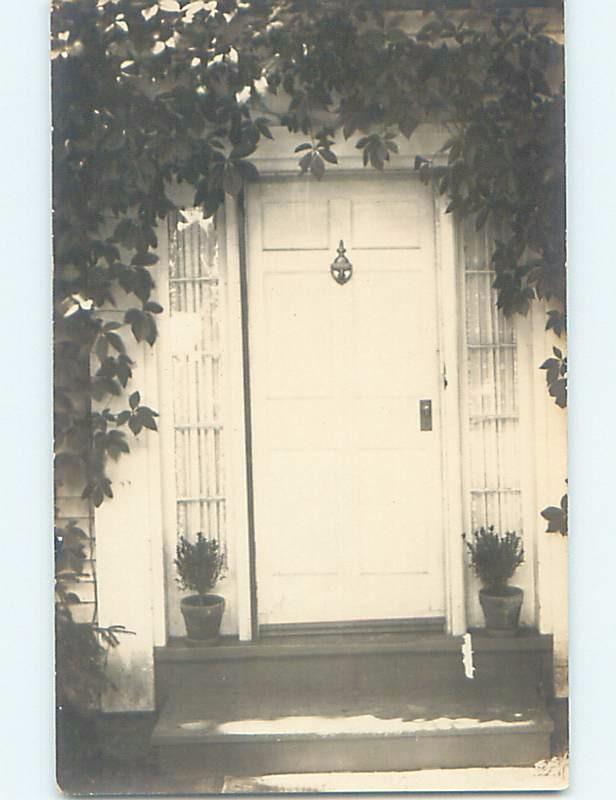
[(333, 726), (495, 779)]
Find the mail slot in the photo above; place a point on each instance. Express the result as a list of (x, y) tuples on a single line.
[(425, 415)]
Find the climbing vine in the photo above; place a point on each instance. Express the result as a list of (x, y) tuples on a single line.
[(149, 93)]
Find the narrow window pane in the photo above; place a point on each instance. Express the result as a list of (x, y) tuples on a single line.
[(491, 375), (194, 301)]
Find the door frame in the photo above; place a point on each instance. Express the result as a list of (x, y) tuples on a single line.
[(240, 505)]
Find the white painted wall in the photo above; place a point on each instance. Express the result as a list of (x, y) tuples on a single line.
[(136, 528), (551, 461), (129, 550)]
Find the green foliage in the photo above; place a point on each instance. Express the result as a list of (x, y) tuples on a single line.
[(558, 517), (556, 377), (146, 93), (81, 651), (495, 557), (316, 154), (70, 550), (81, 655), (200, 564)]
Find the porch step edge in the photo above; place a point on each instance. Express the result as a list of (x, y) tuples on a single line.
[(540, 724), (293, 647), (487, 746)]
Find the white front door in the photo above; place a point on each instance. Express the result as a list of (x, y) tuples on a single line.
[(347, 472)]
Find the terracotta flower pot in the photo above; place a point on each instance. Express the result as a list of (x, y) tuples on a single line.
[(502, 611), (202, 617)]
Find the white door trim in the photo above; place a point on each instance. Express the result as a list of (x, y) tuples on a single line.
[(448, 310), (239, 533)]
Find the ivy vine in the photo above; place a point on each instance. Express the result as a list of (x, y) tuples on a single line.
[(147, 93)]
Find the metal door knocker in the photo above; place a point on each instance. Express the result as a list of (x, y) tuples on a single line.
[(341, 268)]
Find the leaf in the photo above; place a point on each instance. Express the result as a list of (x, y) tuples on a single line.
[(150, 422), (142, 283), (145, 418), (378, 156), (97, 495), (123, 370), (212, 203), (134, 400), (555, 322), (242, 150), (558, 390), (263, 127), (142, 325), (116, 342), (443, 185), (317, 166), (135, 424), (152, 307), (302, 147), (101, 386), (328, 155), (407, 127), (349, 127), (144, 259), (555, 519), (424, 174), (102, 348), (115, 444), (248, 171), (232, 179), (135, 318)]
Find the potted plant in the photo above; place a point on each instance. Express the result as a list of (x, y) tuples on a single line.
[(200, 564), (495, 557)]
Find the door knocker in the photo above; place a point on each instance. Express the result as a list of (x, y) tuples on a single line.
[(341, 268)]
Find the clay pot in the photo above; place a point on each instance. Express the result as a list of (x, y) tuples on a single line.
[(502, 611), (202, 617)]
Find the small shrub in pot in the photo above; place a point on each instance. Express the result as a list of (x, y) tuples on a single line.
[(495, 557), (200, 565)]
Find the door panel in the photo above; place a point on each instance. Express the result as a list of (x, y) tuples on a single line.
[(388, 332), (306, 480), (396, 224), (294, 226), (298, 346), (346, 486)]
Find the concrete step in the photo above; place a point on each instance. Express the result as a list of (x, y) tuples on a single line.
[(385, 666), (238, 733)]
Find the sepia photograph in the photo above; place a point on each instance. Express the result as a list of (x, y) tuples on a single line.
[(310, 396)]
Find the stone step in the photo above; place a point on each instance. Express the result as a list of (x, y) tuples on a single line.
[(384, 666), (238, 733)]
